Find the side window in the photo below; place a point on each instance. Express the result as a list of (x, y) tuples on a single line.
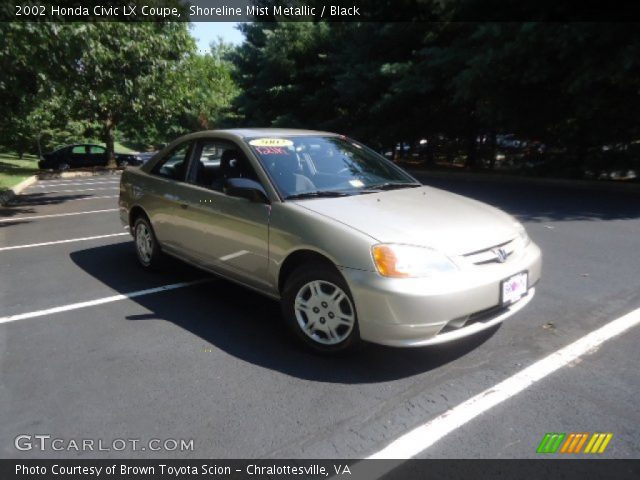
[(216, 161), (207, 172), (174, 165), (79, 149), (97, 150)]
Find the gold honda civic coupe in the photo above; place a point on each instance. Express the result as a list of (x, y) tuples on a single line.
[(353, 247)]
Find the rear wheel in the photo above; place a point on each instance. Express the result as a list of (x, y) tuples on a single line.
[(63, 166), (147, 248), (318, 307)]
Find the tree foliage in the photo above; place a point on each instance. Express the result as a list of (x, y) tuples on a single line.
[(122, 72), (61, 81), (575, 86)]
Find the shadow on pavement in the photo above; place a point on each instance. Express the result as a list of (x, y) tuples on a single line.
[(249, 326), (17, 221), (13, 211), (35, 199), (539, 203), (25, 205)]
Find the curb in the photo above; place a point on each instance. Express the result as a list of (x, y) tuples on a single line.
[(8, 195), (557, 182)]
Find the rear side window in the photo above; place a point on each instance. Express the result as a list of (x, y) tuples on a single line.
[(174, 165), (79, 149)]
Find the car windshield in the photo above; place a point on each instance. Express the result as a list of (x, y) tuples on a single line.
[(326, 166)]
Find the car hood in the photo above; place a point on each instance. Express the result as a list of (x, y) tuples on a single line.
[(423, 216)]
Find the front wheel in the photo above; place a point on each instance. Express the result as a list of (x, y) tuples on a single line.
[(147, 248), (318, 307)]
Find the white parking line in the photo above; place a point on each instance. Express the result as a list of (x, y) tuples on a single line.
[(45, 244), (44, 185), (83, 178), (100, 301), (34, 217), (82, 190), (419, 439), (47, 202)]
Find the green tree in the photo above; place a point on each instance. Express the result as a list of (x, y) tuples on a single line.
[(572, 86), (26, 59), (123, 72), (202, 89), (208, 87)]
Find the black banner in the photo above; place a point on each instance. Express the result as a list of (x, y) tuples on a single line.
[(320, 10), (547, 469)]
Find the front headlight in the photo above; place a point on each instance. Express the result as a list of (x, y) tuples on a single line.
[(404, 261)]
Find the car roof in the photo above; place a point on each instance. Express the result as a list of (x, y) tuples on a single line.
[(232, 134), (79, 145), (257, 132)]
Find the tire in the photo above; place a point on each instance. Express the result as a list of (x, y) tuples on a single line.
[(318, 308), (63, 166), (146, 245), (123, 164)]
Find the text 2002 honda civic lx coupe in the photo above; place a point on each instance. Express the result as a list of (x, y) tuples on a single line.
[(352, 246)]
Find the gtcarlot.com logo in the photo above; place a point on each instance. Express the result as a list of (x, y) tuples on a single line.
[(574, 443), (47, 442)]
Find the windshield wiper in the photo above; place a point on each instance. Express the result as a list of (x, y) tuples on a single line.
[(318, 194), (392, 186)]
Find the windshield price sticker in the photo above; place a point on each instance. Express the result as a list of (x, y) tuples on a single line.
[(271, 142), (271, 150)]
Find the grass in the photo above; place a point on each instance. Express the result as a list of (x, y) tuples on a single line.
[(120, 148), (13, 170)]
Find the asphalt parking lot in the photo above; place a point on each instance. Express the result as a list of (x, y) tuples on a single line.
[(80, 357)]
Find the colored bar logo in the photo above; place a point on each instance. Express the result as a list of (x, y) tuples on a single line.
[(574, 442)]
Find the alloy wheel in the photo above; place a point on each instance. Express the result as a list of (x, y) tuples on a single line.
[(324, 312), (144, 242)]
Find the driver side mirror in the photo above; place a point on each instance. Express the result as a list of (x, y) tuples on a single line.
[(246, 188)]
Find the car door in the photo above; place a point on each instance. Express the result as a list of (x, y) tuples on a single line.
[(79, 156), (165, 193), (97, 155), (223, 232)]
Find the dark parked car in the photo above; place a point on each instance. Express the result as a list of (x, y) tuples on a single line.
[(84, 155), (145, 156)]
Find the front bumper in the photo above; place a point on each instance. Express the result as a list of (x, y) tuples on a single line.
[(427, 311)]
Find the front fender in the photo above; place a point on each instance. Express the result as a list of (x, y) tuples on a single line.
[(293, 228)]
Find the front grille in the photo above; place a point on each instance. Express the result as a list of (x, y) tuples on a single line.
[(491, 254)]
